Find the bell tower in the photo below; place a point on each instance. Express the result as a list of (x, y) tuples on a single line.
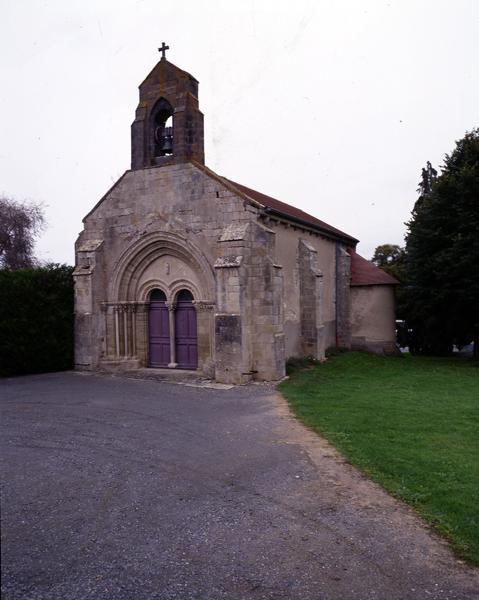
[(168, 125)]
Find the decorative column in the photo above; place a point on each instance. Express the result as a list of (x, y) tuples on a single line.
[(104, 310), (125, 329), (116, 310), (171, 315), (133, 308)]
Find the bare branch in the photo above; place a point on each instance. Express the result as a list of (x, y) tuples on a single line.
[(20, 224)]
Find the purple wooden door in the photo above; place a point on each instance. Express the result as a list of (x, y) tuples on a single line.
[(159, 328), (186, 332)]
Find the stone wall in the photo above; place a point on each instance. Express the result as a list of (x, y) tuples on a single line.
[(265, 312), (287, 252), (89, 278), (249, 330), (373, 318)]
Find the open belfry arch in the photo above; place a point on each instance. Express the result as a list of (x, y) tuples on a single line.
[(179, 268)]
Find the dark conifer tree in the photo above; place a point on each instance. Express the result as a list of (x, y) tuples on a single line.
[(442, 250)]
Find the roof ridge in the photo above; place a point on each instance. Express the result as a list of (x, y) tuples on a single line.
[(291, 212)]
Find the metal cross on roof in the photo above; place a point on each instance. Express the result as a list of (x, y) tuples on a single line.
[(163, 49)]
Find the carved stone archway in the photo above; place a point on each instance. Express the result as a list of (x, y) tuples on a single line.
[(141, 253), (163, 261)]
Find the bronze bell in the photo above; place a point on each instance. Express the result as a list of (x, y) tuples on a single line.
[(167, 147)]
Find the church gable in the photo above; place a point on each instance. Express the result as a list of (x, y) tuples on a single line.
[(179, 198)]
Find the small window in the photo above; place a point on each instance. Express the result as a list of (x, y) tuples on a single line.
[(184, 296), (157, 296)]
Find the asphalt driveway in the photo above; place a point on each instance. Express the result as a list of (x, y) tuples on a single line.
[(130, 489)]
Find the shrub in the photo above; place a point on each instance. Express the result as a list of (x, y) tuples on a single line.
[(36, 320)]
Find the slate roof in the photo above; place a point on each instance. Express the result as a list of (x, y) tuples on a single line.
[(364, 272), (292, 213)]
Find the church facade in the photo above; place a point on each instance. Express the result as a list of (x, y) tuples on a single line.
[(180, 268)]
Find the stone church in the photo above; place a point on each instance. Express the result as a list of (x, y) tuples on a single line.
[(180, 268)]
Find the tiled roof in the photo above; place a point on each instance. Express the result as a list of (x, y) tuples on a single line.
[(364, 272), (293, 213)]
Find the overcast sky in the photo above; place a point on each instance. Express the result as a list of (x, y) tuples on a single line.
[(331, 105)]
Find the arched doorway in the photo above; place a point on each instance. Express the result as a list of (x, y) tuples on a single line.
[(186, 333), (168, 262), (159, 330)]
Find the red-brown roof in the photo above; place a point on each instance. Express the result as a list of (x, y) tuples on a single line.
[(364, 272), (293, 213)]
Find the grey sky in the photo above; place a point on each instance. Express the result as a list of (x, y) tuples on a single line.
[(333, 106)]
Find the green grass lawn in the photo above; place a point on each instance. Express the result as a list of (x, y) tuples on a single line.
[(411, 423)]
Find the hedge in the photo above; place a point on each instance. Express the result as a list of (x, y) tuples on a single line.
[(36, 320)]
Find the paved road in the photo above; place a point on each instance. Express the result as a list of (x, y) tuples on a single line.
[(130, 489)]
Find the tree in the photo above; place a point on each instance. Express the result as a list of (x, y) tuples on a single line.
[(386, 254), (390, 258), (442, 247), (20, 223)]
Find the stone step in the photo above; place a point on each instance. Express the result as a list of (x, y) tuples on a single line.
[(131, 368), (177, 375)]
